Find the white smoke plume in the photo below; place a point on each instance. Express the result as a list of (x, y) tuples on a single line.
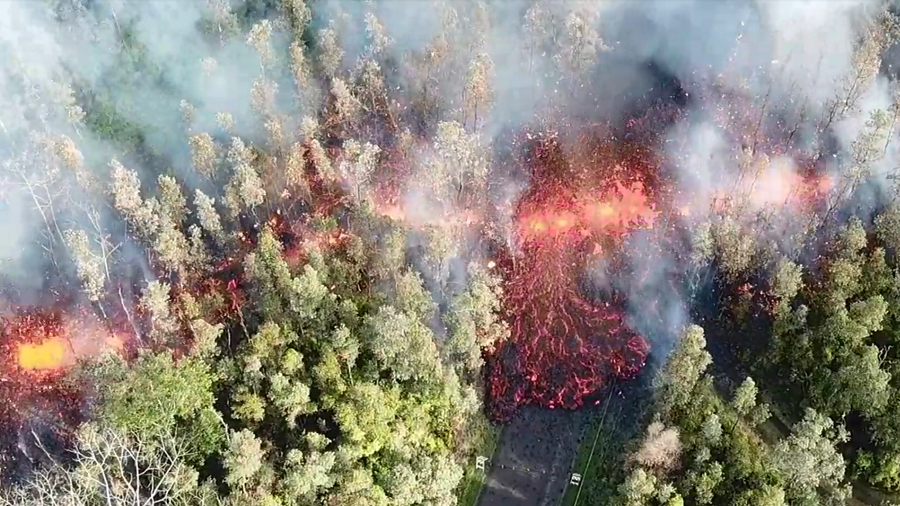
[(575, 62)]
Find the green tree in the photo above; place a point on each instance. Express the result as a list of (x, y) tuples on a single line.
[(705, 483), (683, 369), (808, 459), (638, 488), (472, 320), (365, 417), (307, 475), (745, 397), (155, 397), (243, 459), (768, 495), (402, 344)]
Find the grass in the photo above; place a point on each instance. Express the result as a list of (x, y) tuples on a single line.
[(487, 436)]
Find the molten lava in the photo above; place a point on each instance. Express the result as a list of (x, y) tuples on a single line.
[(50, 354), (38, 342), (562, 347), (47, 342)]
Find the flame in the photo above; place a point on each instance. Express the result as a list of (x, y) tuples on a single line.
[(628, 205), (51, 354), (438, 217)]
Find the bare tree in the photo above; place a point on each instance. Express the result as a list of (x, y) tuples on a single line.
[(580, 42), (71, 156), (303, 80), (113, 469), (478, 92), (244, 191), (225, 121), (35, 175), (865, 151), (99, 251), (88, 265), (298, 15), (260, 38), (660, 449), (155, 300), (866, 62), (188, 114), (346, 106), (204, 154), (460, 169), (371, 90), (376, 35), (224, 22), (321, 161), (208, 216), (331, 54), (359, 165)]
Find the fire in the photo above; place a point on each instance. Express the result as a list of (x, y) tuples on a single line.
[(46, 342), (50, 354), (628, 205), (782, 186)]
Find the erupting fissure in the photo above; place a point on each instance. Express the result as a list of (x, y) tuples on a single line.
[(50, 354), (563, 347), (40, 342)]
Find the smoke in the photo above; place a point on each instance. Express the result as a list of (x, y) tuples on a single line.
[(558, 65), (12, 248), (126, 67)]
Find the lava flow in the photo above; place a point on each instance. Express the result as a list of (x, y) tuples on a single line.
[(562, 347)]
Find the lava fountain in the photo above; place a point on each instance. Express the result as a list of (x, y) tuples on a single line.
[(562, 347), (47, 355), (40, 342)]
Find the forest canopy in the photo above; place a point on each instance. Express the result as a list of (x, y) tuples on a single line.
[(297, 252)]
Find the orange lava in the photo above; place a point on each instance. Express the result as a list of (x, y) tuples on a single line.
[(788, 188), (48, 342), (563, 348), (48, 355), (614, 212), (437, 217)]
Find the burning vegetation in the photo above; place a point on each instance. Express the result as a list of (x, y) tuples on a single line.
[(323, 297)]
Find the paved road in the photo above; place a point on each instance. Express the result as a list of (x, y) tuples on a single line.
[(533, 459)]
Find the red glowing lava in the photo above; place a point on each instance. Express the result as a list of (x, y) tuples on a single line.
[(39, 342), (562, 347)]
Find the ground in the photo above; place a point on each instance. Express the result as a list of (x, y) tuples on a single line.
[(533, 460), (540, 449)]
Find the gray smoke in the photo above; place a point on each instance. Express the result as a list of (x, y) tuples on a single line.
[(785, 59)]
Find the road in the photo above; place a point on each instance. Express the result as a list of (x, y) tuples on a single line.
[(532, 464)]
